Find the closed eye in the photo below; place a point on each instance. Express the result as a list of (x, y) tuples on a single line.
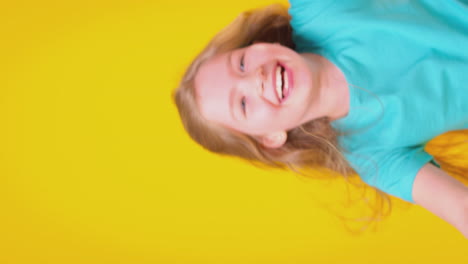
[(244, 105), (241, 64)]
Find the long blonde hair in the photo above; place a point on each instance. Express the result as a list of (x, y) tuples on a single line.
[(310, 146)]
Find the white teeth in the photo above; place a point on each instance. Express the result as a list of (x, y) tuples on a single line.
[(286, 82), (279, 83)]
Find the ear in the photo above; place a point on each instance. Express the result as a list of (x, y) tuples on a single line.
[(274, 140)]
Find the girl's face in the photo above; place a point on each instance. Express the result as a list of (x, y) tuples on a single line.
[(258, 90)]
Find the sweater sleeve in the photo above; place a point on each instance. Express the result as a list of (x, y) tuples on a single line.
[(392, 171)]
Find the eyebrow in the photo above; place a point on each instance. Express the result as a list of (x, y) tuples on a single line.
[(232, 90), (229, 60)]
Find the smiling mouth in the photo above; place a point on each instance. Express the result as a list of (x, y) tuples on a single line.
[(282, 82)]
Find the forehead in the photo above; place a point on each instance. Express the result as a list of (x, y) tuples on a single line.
[(213, 87)]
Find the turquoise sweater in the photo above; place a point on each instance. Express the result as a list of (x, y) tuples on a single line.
[(406, 62)]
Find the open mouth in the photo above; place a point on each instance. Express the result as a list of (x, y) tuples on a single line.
[(282, 82)]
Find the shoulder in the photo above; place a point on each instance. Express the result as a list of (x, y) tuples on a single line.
[(304, 10)]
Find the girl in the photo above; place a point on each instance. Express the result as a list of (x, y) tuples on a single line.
[(354, 86)]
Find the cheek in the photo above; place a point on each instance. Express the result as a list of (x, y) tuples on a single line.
[(260, 114), (265, 120)]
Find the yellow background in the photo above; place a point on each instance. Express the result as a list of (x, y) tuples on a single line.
[(95, 166)]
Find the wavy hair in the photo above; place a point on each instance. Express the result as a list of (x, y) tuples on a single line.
[(310, 146)]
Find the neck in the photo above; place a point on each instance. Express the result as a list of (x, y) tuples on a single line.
[(333, 94)]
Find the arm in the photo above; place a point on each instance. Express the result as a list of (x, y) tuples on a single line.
[(442, 195)]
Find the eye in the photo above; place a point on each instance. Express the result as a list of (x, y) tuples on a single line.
[(243, 105), (242, 66)]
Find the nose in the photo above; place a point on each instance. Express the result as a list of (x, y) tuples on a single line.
[(257, 85), (260, 81)]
